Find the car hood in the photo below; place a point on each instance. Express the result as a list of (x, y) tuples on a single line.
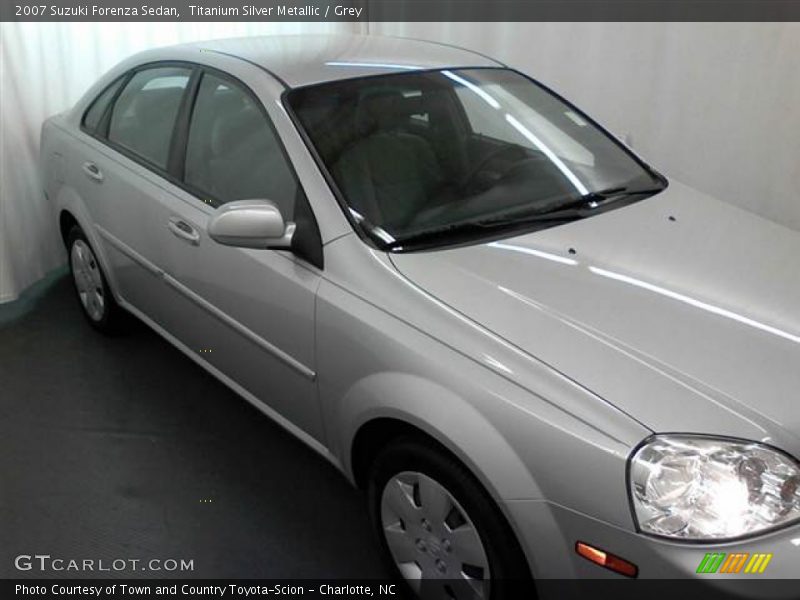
[(680, 310)]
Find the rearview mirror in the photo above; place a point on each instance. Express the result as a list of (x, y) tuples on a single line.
[(250, 224)]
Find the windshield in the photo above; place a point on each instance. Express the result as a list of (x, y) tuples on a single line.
[(456, 155)]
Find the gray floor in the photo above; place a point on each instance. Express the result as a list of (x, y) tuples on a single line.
[(124, 448)]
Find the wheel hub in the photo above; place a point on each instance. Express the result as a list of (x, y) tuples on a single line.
[(88, 281), (432, 539)]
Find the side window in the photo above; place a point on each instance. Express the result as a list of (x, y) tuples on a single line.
[(144, 113), (232, 150), (93, 116)]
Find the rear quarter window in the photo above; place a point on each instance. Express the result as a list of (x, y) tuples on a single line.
[(94, 115)]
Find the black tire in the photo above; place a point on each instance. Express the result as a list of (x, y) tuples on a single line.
[(112, 319), (510, 575)]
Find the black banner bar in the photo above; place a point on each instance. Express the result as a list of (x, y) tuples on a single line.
[(400, 10), (703, 588)]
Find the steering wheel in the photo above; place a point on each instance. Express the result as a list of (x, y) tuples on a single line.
[(468, 181)]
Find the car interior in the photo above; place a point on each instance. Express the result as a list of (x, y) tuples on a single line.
[(143, 117), (406, 157), (403, 150), (232, 152)]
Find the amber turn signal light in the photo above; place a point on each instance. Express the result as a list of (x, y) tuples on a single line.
[(606, 560)]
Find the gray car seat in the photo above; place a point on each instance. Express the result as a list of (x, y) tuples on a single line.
[(388, 175)]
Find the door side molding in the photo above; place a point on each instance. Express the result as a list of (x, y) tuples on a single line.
[(216, 312)]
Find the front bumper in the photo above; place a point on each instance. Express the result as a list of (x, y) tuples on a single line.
[(549, 533)]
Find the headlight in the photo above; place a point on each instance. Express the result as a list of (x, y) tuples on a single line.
[(699, 488)]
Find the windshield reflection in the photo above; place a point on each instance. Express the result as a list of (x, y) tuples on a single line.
[(428, 158)]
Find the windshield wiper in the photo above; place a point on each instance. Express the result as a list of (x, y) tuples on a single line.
[(482, 225), (575, 209), (568, 211), (600, 197)]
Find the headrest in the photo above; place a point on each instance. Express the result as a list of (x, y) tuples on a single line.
[(155, 103), (230, 129), (382, 110)]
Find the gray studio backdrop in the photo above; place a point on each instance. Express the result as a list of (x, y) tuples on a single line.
[(712, 104)]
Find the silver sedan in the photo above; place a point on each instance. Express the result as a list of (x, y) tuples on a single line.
[(539, 356)]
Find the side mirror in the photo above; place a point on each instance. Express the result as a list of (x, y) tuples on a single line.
[(251, 224)]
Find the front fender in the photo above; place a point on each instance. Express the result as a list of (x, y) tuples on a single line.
[(559, 443), (443, 415)]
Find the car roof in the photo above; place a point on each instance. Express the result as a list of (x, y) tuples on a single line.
[(299, 60)]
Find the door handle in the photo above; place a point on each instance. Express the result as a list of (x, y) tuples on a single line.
[(92, 171), (183, 230)]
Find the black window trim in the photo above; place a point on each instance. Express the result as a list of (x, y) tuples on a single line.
[(179, 138), (102, 123), (187, 114), (101, 134)]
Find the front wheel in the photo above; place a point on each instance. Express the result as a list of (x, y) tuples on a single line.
[(440, 530)]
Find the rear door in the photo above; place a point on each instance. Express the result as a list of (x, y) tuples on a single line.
[(123, 175)]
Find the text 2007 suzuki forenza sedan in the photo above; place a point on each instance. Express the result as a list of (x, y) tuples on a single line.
[(539, 356)]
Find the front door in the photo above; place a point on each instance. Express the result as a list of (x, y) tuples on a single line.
[(249, 314)]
